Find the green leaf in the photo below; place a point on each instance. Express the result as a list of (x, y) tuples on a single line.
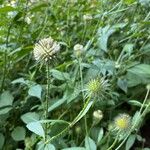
[(6, 99), (49, 147), (18, 134), (6, 9), (74, 148), (135, 103), (36, 128), (89, 144), (36, 91), (83, 112), (19, 80), (122, 83), (60, 75), (100, 135), (30, 117), (104, 34), (128, 48), (2, 140), (139, 74), (130, 141), (41, 146)]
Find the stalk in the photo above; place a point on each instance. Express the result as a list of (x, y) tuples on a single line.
[(47, 98)]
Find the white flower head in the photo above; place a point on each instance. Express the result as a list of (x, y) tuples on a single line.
[(46, 49), (78, 49)]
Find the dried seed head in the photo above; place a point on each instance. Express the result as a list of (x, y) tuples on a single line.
[(46, 49)]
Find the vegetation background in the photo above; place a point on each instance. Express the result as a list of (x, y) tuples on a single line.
[(115, 35)]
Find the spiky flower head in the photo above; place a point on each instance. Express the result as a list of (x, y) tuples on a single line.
[(122, 122), (97, 86), (78, 49), (46, 49)]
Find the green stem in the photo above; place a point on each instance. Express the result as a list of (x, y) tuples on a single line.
[(47, 98), (113, 144), (81, 78), (144, 100)]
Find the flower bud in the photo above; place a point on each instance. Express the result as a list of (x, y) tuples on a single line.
[(97, 116)]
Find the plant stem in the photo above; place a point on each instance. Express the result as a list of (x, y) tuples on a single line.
[(47, 98), (81, 78)]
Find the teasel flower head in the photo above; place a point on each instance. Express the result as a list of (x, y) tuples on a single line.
[(97, 116), (122, 122), (46, 49), (97, 87), (78, 50)]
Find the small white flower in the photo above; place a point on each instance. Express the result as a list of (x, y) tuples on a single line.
[(46, 49), (27, 20), (78, 49), (97, 116), (87, 17)]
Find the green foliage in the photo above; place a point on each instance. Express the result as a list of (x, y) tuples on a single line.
[(116, 47)]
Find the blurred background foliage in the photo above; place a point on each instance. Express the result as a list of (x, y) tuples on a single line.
[(116, 38)]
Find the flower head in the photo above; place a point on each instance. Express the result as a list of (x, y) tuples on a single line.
[(46, 49), (78, 49), (97, 86), (122, 122), (97, 116)]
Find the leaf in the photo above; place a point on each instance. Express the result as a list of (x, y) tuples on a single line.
[(104, 34), (6, 99), (74, 148), (60, 75), (139, 74), (41, 146), (49, 147), (30, 117), (19, 80), (18, 134), (5, 110), (89, 144), (135, 103), (6, 9), (36, 128), (100, 135), (122, 83), (128, 48), (130, 141), (57, 104), (35, 91), (2, 140), (83, 112)]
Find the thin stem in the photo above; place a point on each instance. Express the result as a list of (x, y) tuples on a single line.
[(113, 144), (81, 78), (47, 98), (5, 59), (145, 100)]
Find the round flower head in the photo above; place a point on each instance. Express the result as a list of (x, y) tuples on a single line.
[(46, 49), (78, 49), (97, 87), (97, 116), (122, 122)]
